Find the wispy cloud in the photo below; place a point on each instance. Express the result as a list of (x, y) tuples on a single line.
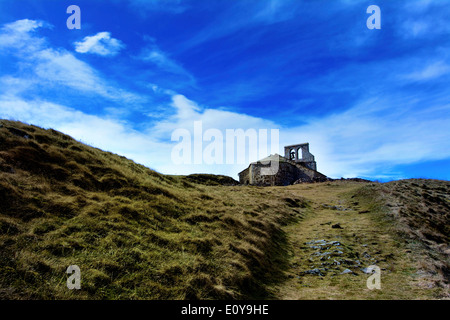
[(188, 111), (151, 146), (375, 135), (423, 19), (431, 71), (366, 100), (44, 64), (99, 131), (366, 140), (63, 68), (102, 44), (19, 35), (239, 15), (153, 54)]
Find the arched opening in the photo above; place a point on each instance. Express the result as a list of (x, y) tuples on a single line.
[(292, 154), (300, 153)]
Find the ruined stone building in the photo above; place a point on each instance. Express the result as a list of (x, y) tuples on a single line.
[(297, 165)]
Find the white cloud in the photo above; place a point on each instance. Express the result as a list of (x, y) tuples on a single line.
[(431, 71), (423, 19), (188, 111), (366, 140), (372, 137), (151, 147), (23, 26), (46, 65), (15, 85), (19, 35), (107, 134), (164, 62), (63, 68), (102, 44)]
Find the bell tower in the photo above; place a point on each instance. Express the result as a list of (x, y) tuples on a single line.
[(299, 153)]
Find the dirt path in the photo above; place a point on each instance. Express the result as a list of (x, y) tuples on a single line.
[(335, 242)]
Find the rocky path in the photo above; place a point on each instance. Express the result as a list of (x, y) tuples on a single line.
[(333, 246)]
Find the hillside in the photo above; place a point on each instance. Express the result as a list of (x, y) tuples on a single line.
[(138, 234), (400, 226)]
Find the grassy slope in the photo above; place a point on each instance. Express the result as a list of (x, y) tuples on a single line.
[(133, 232), (137, 234), (418, 212), (369, 235)]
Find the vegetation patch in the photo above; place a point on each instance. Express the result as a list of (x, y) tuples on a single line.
[(134, 233)]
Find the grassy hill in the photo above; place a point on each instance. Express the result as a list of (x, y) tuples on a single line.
[(138, 234), (350, 226)]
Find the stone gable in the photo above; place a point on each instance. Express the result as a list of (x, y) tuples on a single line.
[(290, 170)]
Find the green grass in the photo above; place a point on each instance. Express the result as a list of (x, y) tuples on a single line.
[(139, 234), (417, 212), (370, 235), (135, 233)]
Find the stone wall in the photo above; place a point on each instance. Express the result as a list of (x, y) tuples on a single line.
[(288, 173), (244, 177), (299, 153)]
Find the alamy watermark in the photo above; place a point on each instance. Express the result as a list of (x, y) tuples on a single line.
[(215, 147), (374, 21), (74, 281), (74, 21), (374, 281)]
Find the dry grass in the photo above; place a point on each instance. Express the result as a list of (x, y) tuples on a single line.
[(138, 234), (369, 235), (135, 234), (418, 211)]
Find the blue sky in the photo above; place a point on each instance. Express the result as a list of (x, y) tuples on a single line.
[(371, 103)]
